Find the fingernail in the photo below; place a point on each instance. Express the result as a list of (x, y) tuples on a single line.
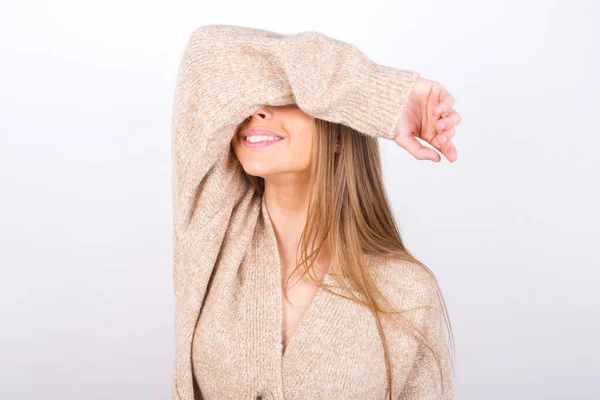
[(441, 139)]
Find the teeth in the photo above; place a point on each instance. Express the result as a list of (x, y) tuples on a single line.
[(258, 138)]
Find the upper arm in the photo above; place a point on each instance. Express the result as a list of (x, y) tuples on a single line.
[(206, 176)]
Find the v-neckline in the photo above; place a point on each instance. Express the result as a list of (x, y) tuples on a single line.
[(307, 317), (305, 321)]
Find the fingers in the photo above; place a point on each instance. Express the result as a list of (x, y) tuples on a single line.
[(442, 142), (446, 103), (449, 151), (449, 121), (438, 129), (447, 124), (416, 149), (444, 136)]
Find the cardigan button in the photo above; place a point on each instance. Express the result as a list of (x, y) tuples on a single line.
[(265, 395)]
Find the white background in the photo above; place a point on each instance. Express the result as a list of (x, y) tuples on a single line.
[(510, 229)]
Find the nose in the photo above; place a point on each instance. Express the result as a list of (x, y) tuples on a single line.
[(264, 112)]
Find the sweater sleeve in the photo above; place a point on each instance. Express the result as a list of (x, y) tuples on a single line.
[(227, 72), (424, 381)]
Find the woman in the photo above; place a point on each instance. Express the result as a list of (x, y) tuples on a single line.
[(277, 177)]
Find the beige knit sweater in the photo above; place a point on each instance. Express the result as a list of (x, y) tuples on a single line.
[(227, 277)]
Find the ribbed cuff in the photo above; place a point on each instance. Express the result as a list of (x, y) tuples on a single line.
[(382, 99)]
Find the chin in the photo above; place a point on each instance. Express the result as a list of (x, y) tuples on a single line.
[(257, 169)]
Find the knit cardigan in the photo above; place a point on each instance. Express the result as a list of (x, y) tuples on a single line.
[(226, 266)]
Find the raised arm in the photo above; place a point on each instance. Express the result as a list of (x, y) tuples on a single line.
[(227, 72)]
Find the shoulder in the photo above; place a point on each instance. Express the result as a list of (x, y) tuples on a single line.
[(406, 283)]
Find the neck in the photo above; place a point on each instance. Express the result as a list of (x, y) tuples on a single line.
[(287, 207)]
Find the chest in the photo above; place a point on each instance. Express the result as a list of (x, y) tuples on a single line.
[(244, 317), (236, 350), (296, 300)]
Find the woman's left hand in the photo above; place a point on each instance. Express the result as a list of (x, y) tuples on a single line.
[(428, 115)]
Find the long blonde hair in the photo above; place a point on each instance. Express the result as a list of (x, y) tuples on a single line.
[(348, 207)]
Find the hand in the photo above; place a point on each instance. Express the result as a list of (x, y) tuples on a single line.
[(429, 106)]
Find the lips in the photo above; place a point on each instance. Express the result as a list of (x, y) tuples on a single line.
[(273, 138), (259, 131)]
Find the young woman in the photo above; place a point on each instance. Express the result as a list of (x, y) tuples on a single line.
[(277, 178)]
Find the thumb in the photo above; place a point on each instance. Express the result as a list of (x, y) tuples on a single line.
[(413, 146)]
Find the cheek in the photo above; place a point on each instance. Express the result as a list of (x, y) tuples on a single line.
[(299, 150), (236, 147), (294, 155)]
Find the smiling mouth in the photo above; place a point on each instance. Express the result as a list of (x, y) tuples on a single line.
[(257, 135), (260, 139)]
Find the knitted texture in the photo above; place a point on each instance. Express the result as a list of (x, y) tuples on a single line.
[(226, 266)]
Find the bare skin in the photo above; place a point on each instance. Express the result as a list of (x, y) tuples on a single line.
[(429, 115), (285, 167)]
